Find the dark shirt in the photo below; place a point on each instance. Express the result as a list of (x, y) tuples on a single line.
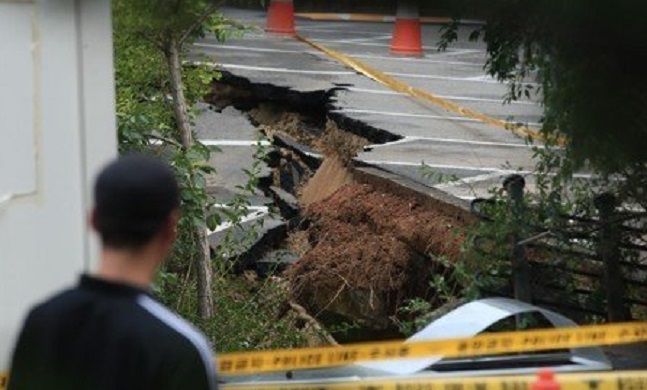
[(103, 335)]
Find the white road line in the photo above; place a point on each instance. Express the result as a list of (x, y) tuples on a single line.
[(444, 78), (403, 114), (447, 97), (441, 166), (404, 140), (248, 218), (450, 51), (459, 52), (335, 29), (365, 56), (220, 142), (254, 49), (468, 168), (470, 180), (344, 42), (479, 79), (475, 79), (277, 70), (485, 100), (374, 91), (451, 141), (438, 117), (353, 40), (344, 18), (226, 142), (255, 208), (425, 59), (253, 35)]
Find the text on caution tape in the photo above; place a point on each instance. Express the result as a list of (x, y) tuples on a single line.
[(485, 344)]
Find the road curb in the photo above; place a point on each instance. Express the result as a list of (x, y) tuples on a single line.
[(375, 18), (430, 197)]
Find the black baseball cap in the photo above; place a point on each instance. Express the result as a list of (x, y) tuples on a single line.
[(134, 195)]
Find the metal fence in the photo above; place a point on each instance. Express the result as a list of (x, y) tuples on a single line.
[(586, 266)]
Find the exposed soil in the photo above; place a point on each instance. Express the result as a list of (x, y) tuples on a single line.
[(424, 230), (271, 120), (369, 253)]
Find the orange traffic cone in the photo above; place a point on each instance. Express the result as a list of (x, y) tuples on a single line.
[(407, 37), (545, 381), (280, 17)]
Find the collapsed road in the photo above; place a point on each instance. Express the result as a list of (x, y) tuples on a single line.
[(305, 105), (330, 206), (302, 87)]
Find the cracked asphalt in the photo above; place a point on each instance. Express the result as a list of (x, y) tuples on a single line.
[(475, 155)]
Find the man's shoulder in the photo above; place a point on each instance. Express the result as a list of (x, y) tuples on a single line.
[(137, 316), (166, 324), (175, 334), (55, 303)]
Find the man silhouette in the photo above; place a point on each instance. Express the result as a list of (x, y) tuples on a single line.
[(108, 332)]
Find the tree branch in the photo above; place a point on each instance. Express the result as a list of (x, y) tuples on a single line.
[(201, 19), (155, 42), (164, 139), (303, 314)]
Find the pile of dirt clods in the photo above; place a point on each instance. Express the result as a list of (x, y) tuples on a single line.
[(368, 253)]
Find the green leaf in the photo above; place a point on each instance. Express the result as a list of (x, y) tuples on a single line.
[(199, 222), (200, 182), (213, 221)]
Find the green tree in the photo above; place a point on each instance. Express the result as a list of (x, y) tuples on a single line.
[(588, 58), (154, 100)]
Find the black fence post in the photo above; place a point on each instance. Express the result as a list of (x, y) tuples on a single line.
[(514, 186), (609, 251)]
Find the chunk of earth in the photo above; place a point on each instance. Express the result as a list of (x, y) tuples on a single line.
[(370, 253)]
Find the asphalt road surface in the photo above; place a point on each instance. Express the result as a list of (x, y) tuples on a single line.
[(473, 156)]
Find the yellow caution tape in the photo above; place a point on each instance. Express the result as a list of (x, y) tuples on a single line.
[(485, 344), (623, 380), (405, 88)]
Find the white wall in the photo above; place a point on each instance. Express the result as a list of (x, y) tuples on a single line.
[(57, 127)]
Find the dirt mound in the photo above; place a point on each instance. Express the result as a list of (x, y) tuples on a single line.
[(272, 120), (369, 253), (340, 144), (423, 230)]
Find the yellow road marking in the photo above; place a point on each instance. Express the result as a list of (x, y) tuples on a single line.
[(402, 87)]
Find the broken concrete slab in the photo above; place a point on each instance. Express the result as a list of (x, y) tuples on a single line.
[(248, 240), (286, 202), (275, 262)]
